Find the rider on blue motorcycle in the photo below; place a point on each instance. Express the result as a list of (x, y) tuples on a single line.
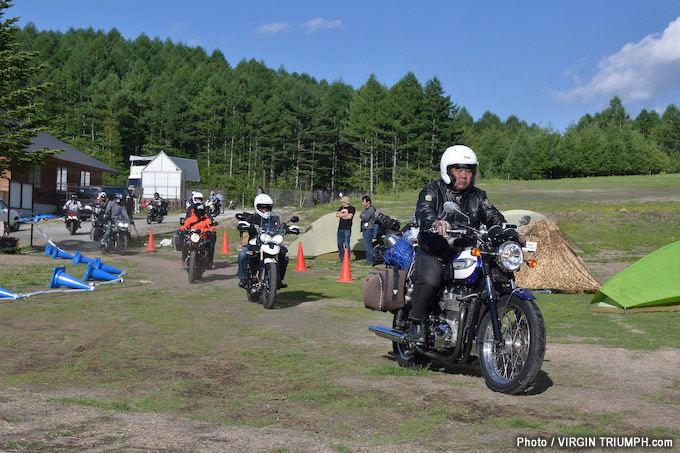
[(458, 168)]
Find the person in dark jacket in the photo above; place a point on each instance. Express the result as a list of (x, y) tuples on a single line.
[(458, 168), (367, 217)]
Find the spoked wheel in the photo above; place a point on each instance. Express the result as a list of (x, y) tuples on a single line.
[(405, 354), (513, 367), (121, 244), (271, 280)]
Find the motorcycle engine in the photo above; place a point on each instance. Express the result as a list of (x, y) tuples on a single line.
[(446, 329)]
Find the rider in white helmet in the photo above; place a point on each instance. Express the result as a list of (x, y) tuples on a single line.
[(263, 205), (458, 169)]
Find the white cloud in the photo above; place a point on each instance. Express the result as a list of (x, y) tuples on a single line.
[(321, 24), (640, 71), (272, 29)]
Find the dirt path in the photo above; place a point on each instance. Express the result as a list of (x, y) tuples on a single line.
[(577, 378)]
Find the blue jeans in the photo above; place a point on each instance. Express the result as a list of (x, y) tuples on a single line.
[(243, 261), (368, 243), (343, 242)]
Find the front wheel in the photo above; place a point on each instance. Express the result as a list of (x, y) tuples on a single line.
[(271, 281), (72, 228), (121, 243), (513, 367), (405, 354), (149, 218), (192, 266)]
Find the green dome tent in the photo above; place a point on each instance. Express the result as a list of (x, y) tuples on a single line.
[(650, 284)]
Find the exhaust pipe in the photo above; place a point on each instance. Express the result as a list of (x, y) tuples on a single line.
[(388, 333)]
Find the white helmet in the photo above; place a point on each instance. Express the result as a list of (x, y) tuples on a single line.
[(458, 155), (102, 195), (263, 205), (197, 197)]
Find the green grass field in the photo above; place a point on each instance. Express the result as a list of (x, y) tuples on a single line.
[(309, 367)]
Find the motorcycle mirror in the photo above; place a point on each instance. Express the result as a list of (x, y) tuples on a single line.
[(295, 219), (524, 220), (450, 207)]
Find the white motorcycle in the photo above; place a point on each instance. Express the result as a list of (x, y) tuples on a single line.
[(264, 249)]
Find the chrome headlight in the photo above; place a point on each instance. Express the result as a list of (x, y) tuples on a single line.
[(265, 238), (195, 237), (277, 239), (510, 256)]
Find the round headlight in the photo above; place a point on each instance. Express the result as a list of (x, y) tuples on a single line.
[(510, 256), (265, 238), (277, 239), (195, 237)]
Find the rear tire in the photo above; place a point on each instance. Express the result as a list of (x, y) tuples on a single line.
[(405, 354), (271, 281), (514, 369)]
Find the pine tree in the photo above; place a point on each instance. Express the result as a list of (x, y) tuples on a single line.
[(19, 114)]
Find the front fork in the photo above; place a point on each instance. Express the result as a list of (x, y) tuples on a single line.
[(493, 303)]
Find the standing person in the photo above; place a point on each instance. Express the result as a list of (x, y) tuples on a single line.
[(345, 213), (367, 217)]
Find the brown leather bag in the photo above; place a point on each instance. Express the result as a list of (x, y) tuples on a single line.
[(384, 289)]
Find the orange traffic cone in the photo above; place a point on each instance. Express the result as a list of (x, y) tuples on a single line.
[(346, 275), (150, 247), (225, 244), (300, 260)]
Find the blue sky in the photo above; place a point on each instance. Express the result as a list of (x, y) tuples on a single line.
[(548, 62)]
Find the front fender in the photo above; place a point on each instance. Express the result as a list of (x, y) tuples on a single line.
[(522, 293)]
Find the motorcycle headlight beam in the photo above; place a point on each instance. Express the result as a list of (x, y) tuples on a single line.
[(195, 237), (510, 256)]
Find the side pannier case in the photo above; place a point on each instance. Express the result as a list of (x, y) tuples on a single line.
[(384, 289)]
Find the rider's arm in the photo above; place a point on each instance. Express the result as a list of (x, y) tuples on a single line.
[(426, 208)]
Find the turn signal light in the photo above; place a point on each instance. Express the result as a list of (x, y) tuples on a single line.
[(476, 252), (533, 263)]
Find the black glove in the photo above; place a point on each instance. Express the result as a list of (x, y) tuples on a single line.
[(511, 235)]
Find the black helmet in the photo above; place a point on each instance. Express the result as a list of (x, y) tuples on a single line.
[(156, 194), (74, 197), (199, 210)]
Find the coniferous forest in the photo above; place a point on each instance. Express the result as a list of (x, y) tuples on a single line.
[(248, 124)]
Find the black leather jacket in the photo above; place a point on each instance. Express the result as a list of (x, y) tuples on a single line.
[(430, 208)]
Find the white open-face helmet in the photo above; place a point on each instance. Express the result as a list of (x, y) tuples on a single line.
[(263, 205), (459, 155), (197, 197)]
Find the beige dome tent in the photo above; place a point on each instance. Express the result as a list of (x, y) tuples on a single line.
[(320, 239), (559, 267)]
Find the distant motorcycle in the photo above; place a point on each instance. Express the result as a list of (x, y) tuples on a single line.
[(214, 206), (117, 241), (263, 263), (232, 205), (198, 256), (72, 222), (97, 222), (388, 234), (157, 210)]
